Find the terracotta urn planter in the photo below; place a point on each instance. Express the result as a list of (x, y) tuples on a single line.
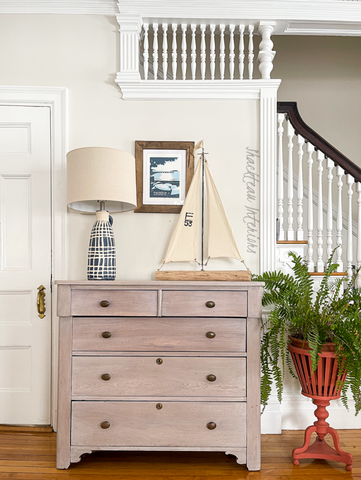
[(323, 385)]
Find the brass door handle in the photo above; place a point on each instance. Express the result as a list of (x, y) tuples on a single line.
[(40, 302)]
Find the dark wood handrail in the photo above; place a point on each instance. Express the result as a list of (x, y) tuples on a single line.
[(290, 108)]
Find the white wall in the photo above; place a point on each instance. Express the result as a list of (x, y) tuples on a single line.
[(81, 53), (323, 75)]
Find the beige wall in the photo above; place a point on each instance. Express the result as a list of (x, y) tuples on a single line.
[(81, 53), (323, 75)]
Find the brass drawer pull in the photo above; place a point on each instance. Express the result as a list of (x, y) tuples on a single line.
[(106, 334), (210, 334), (210, 304), (106, 376), (104, 303), (159, 361), (211, 425), (211, 377), (159, 406), (105, 425)]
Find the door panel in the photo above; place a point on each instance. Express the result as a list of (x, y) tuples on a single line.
[(25, 264)]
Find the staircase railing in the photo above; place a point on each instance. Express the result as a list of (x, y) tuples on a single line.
[(192, 50), (312, 215)]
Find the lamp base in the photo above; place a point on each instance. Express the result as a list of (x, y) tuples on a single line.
[(101, 253)]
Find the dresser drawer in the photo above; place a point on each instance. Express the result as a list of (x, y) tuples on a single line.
[(204, 303), (159, 377), (114, 302), (159, 334), (143, 424)]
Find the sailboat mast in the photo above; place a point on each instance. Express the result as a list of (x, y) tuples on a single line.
[(202, 246)]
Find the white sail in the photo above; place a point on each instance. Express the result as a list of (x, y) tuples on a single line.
[(183, 244), (221, 241)]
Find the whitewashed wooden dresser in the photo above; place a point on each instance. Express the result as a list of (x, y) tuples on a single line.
[(159, 366)]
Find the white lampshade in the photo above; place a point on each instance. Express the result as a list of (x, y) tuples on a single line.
[(101, 174)]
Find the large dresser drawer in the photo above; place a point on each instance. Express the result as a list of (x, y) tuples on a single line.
[(182, 424), (159, 334), (204, 303), (159, 377), (141, 303)]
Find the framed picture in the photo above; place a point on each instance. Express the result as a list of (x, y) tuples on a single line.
[(164, 172)]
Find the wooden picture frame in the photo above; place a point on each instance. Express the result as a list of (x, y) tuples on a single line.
[(164, 172)]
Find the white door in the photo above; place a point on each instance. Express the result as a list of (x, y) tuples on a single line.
[(25, 264)]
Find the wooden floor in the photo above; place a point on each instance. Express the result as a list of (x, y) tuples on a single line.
[(31, 456)]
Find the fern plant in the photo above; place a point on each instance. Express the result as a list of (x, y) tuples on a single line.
[(331, 315)]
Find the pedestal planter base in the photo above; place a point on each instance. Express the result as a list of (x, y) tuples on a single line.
[(322, 385), (320, 449)]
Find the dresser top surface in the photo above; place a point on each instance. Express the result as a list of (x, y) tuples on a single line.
[(155, 284)]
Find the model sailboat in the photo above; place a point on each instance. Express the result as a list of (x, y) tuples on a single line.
[(183, 246)]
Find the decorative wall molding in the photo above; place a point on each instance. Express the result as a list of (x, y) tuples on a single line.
[(295, 17), (196, 89)]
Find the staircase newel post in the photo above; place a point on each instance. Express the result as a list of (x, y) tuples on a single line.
[(266, 54)]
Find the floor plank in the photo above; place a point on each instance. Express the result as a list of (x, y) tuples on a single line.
[(31, 455)]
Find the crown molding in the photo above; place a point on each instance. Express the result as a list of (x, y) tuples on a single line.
[(78, 7), (292, 17)]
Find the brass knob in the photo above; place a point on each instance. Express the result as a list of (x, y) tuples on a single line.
[(106, 334), (104, 303), (210, 334), (211, 425), (105, 425), (159, 361), (211, 377), (106, 376), (159, 406), (210, 304)]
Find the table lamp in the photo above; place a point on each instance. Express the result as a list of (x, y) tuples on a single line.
[(101, 180)]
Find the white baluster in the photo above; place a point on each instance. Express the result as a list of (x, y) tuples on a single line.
[(174, 51), (339, 173), (358, 249), (241, 51), (203, 52), (193, 52), (165, 50), (311, 265), (231, 51), (212, 51), (184, 51), (350, 181), (290, 134), (146, 50), (250, 52), (320, 263), (329, 165), (222, 54), (155, 50), (266, 54), (280, 193), (300, 143)]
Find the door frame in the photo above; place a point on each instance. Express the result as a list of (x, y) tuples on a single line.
[(54, 98)]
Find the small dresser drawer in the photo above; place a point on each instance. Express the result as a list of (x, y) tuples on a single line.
[(159, 377), (114, 302), (159, 334), (159, 424), (204, 303)]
